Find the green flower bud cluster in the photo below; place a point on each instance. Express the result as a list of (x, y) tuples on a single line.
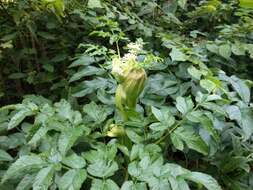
[(115, 131)]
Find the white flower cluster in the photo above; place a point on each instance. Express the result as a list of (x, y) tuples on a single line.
[(121, 66)]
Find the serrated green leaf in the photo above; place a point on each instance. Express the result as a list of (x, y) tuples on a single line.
[(136, 138), (74, 161), (213, 48), (72, 179), (247, 122), (182, 3), (68, 138), (102, 168), (241, 88), (130, 185), (204, 179), (207, 124), (214, 107), (191, 139), (86, 71), (225, 51), (104, 185), (234, 113), (98, 113), (26, 183), (208, 85), (5, 156), (24, 163), (177, 142), (38, 135), (194, 72), (184, 105), (83, 60), (182, 184), (19, 117), (94, 4), (238, 49), (177, 55), (164, 116), (44, 178)]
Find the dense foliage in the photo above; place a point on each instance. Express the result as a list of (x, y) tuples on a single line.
[(130, 95)]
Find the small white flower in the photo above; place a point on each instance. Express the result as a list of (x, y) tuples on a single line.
[(134, 47), (117, 66), (129, 57)]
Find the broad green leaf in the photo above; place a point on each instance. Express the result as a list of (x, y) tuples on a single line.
[(175, 170), (182, 184), (104, 185), (182, 3), (136, 138), (213, 48), (208, 85), (241, 88), (238, 49), (102, 168), (177, 141), (4, 156), (98, 113), (64, 111), (204, 179), (207, 124), (17, 75), (68, 138), (250, 50), (24, 163), (164, 116), (158, 126), (26, 183), (194, 116), (225, 51), (14, 140), (247, 122), (94, 4), (135, 151), (38, 135), (184, 105), (194, 72), (214, 107), (130, 185), (105, 98), (83, 60), (74, 161), (177, 55), (19, 117), (173, 183), (191, 139), (44, 178), (105, 152), (140, 170), (72, 179), (86, 71), (233, 163), (159, 183), (234, 113)]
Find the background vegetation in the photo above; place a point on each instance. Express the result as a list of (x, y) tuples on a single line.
[(193, 124)]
